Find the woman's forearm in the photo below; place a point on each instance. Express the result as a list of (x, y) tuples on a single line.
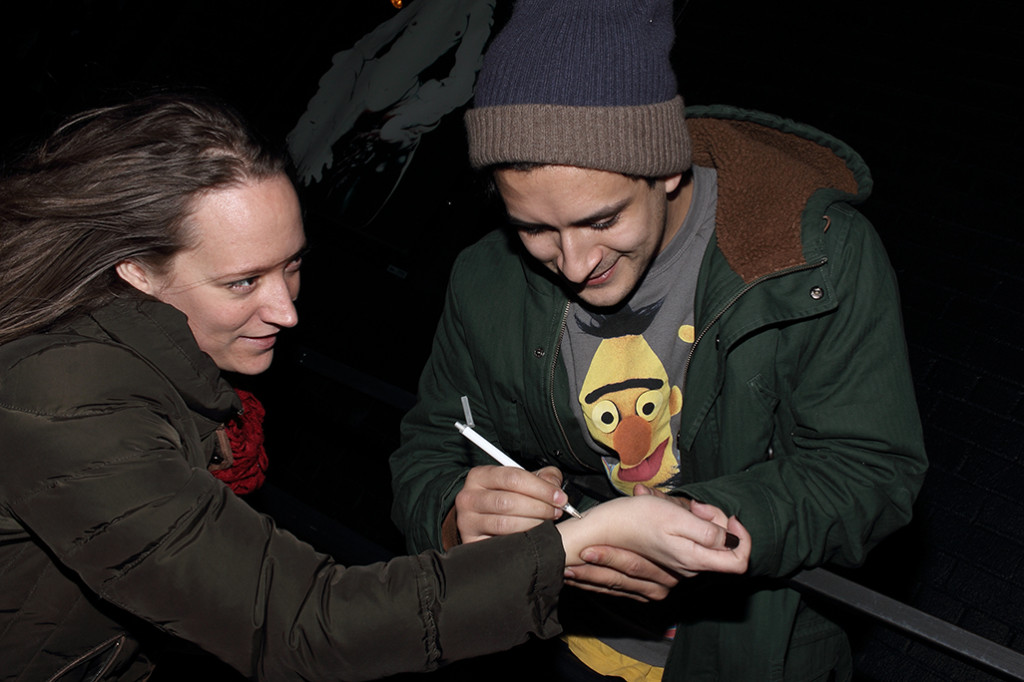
[(661, 531)]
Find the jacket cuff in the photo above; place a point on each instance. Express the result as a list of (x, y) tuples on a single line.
[(546, 543), (450, 531)]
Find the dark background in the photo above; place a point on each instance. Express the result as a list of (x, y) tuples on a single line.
[(928, 95)]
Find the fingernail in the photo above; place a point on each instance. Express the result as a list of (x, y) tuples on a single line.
[(587, 555), (731, 541), (560, 498), (568, 573)]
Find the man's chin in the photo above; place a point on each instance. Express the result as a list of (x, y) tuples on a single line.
[(603, 296)]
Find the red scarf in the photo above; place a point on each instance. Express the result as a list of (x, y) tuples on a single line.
[(248, 471)]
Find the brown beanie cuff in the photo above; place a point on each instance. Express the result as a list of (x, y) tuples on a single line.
[(648, 140)]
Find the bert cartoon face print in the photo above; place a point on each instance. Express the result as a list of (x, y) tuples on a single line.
[(628, 402)]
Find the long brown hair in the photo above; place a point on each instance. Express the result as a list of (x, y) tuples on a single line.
[(113, 184)]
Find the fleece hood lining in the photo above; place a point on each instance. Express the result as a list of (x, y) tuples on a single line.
[(766, 176)]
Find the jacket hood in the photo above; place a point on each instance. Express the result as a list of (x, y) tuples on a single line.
[(773, 174)]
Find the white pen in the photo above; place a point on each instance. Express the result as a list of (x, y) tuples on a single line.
[(502, 458)]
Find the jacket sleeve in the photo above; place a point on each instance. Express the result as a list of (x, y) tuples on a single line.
[(104, 486), (430, 466), (846, 456)]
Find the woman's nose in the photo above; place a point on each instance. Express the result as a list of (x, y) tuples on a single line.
[(279, 308)]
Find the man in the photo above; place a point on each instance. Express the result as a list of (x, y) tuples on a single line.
[(683, 307)]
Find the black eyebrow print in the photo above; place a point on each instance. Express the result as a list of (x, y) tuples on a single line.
[(650, 384)]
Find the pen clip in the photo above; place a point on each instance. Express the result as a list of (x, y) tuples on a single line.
[(465, 410)]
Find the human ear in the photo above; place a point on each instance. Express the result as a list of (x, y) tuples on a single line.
[(136, 275), (672, 182)]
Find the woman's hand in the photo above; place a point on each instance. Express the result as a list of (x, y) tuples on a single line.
[(627, 535)]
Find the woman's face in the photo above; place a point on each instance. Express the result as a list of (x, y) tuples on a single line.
[(238, 283)]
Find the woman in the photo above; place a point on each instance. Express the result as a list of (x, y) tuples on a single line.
[(144, 249)]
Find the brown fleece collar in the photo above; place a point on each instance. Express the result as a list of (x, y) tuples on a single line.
[(765, 178)]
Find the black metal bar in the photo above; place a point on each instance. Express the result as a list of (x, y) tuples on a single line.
[(912, 621)]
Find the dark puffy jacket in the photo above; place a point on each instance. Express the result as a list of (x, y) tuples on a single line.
[(110, 524)]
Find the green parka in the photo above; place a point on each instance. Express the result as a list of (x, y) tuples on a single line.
[(110, 524), (798, 410)]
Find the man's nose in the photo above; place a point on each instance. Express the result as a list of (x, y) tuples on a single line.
[(579, 257)]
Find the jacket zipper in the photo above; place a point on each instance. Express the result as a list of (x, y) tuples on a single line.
[(732, 301), (551, 385)]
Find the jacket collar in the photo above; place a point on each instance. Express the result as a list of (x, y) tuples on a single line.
[(160, 334)]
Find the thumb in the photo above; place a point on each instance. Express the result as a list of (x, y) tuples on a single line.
[(552, 475)]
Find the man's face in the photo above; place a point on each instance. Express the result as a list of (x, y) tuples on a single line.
[(598, 230)]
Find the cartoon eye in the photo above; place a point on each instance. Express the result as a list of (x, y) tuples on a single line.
[(605, 416), (648, 405)]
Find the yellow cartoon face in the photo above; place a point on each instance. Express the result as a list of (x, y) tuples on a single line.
[(628, 404)]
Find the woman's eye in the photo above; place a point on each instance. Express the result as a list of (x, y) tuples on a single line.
[(242, 284), (294, 266)]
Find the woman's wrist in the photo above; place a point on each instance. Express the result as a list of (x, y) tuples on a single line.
[(576, 536)]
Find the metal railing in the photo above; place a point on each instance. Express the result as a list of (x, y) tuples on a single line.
[(918, 624)]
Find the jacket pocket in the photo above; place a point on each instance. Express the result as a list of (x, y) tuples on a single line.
[(114, 659), (766, 402), (763, 394)]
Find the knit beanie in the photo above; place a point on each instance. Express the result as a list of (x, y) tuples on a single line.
[(584, 83)]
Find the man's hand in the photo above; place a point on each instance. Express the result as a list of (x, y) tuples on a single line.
[(612, 570), (499, 500)]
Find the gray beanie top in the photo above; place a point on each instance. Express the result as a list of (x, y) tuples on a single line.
[(584, 83)]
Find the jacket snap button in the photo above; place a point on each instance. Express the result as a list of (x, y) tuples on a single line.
[(538, 352), (817, 293)]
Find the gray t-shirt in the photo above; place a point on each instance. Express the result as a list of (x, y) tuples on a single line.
[(625, 368)]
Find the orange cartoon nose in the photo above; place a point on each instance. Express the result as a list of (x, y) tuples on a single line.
[(632, 440)]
